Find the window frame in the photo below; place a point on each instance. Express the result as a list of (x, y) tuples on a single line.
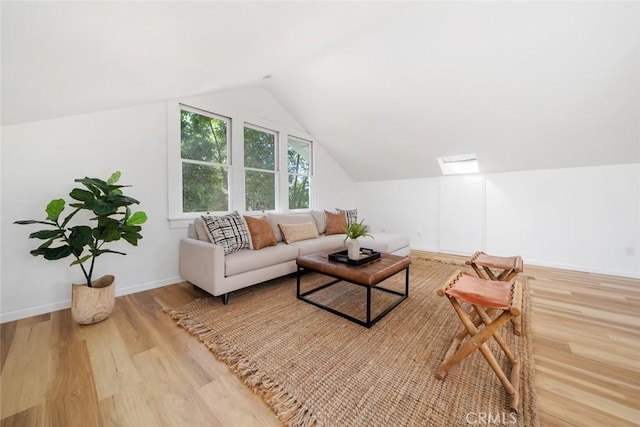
[(276, 163), (221, 106), (229, 154), (309, 175)]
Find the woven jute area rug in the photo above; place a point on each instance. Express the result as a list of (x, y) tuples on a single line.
[(315, 368)]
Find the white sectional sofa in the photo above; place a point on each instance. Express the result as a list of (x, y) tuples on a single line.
[(205, 265)]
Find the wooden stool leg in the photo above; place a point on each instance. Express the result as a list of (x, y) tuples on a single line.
[(477, 341), (517, 325), (477, 270), (460, 336), (503, 345), (490, 273)]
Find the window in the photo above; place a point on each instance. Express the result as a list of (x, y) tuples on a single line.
[(204, 149), (224, 158), (299, 169), (260, 164), (453, 165)]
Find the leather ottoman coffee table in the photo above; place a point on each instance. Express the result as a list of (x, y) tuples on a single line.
[(367, 276)]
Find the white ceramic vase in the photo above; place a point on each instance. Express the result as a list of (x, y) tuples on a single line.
[(353, 249)]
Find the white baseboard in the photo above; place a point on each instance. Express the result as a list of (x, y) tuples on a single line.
[(62, 305), (544, 263)]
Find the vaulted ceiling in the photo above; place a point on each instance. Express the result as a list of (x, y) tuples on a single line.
[(385, 87)]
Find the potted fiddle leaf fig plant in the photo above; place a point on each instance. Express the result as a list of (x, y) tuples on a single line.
[(353, 231), (110, 219)]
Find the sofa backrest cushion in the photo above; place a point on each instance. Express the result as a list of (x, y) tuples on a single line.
[(261, 232), (200, 229), (296, 232), (228, 231), (336, 223), (292, 218), (321, 220)]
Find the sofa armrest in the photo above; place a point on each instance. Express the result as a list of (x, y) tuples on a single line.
[(202, 263)]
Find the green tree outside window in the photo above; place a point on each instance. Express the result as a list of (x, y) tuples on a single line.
[(204, 147), (299, 168)]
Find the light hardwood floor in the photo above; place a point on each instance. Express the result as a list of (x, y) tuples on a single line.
[(139, 369)]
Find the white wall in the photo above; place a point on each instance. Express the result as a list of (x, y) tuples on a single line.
[(585, 219), (41, 159)]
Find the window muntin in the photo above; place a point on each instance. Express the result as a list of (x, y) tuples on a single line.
[(299, 169), (260, 161), (204, 149)]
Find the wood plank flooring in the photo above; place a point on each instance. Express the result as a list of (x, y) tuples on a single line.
[(139, 369)]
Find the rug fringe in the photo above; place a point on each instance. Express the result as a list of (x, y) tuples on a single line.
[(457, 263), (427, 258), (286, 407)]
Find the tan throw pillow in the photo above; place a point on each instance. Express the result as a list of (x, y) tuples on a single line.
[(261, 232), (336, 223), (296, 232)]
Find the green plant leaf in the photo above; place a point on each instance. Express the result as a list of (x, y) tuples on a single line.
[(46, 234), (108, 229), (114, 178), (95, 185), (132, 238), (54, 209), (118, 200), (100, 207), (80, 237), (107, 251), (82, 195), (46, 244), (81, 260), (53, 253), (71, 215), (137, 218), (357, 229), (30, 221)]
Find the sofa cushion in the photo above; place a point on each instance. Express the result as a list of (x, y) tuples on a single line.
[(334, 242), (352, 215), (261, 232), (321, 220), (248, 260), (336, 223), (201, 230), (291, 218), (228, 231), (296, 232), (384, 242)]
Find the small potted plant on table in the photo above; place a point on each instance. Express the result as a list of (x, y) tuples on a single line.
[(112, 220), (353, 231)]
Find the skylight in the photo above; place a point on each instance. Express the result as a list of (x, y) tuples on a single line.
[(464, 163)]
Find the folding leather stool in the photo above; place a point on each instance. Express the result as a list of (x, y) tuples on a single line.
[(483, 295), (498, 268)]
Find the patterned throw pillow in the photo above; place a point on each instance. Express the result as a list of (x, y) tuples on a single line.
[(336, 223), (228, 231), (352, 215)]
